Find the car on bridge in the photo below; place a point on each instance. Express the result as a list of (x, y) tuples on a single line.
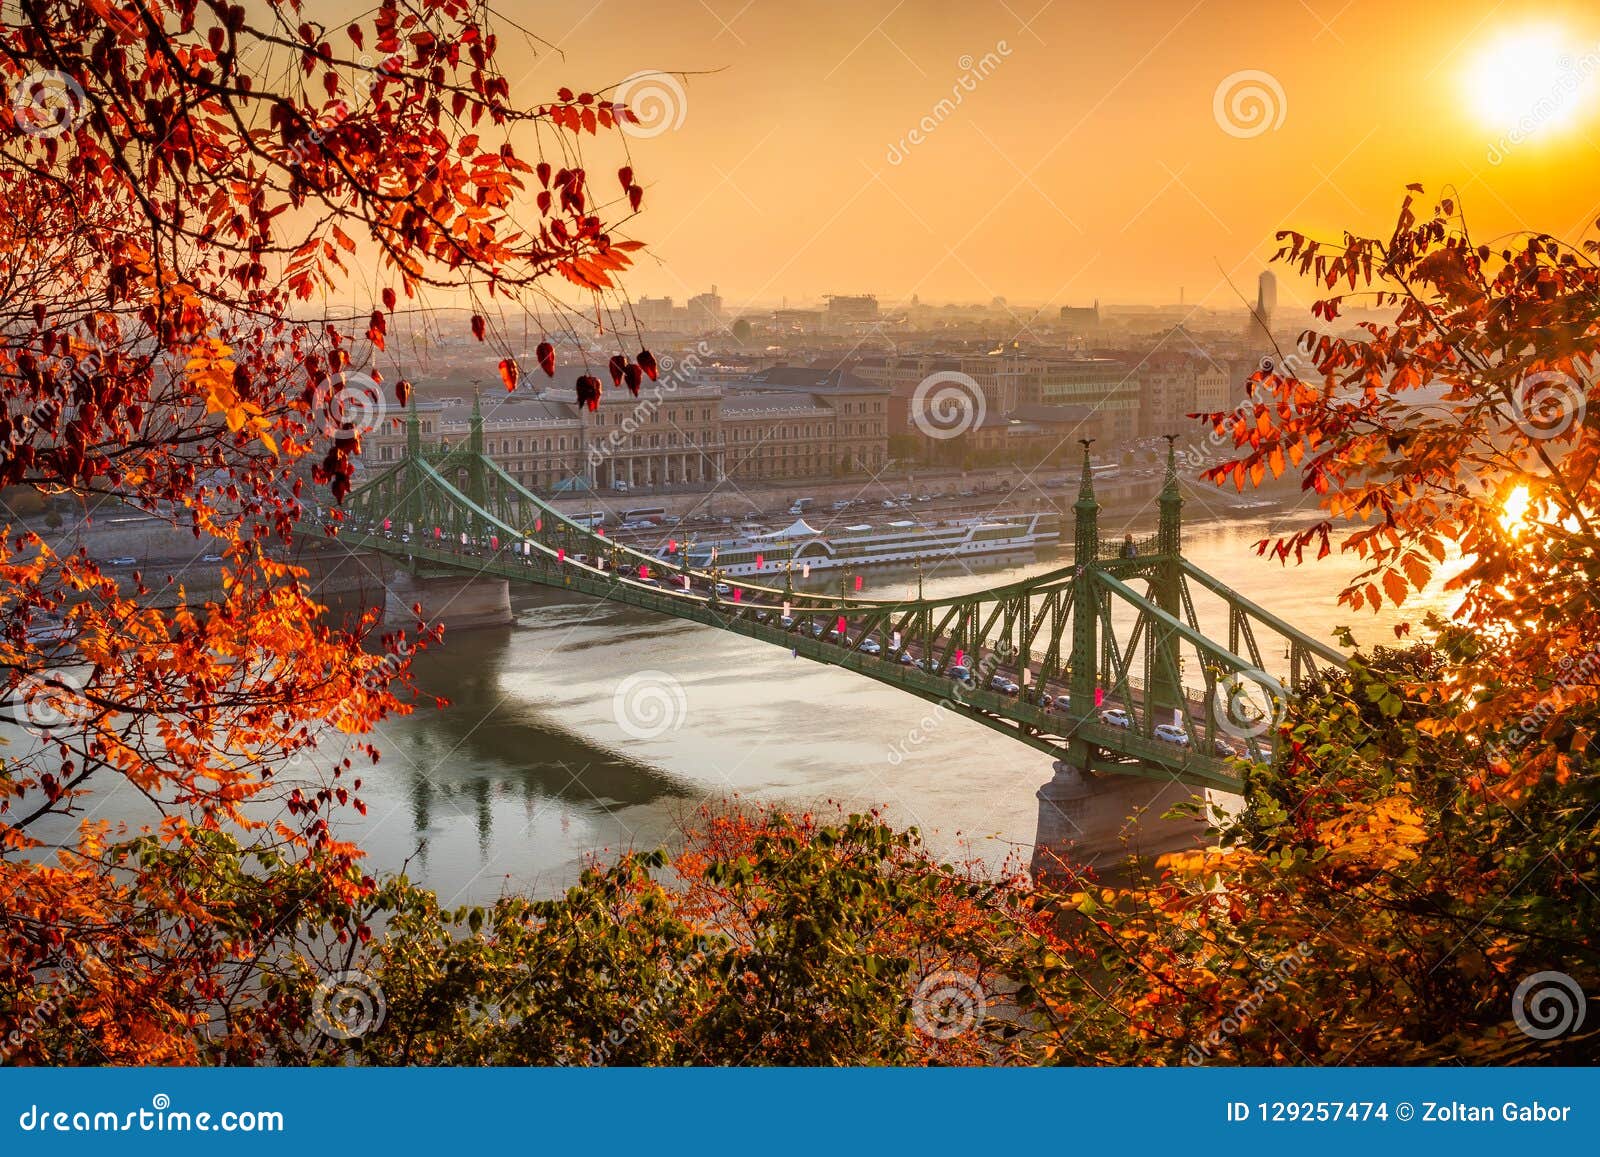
[(1116, 717), (907, 659), (788, 622), (1063, 702), (1004, 685), (959, 673), (1222, 749), (870, 647), (1171, 733)]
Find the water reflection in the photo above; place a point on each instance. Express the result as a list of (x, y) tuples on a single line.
[(529, 770)]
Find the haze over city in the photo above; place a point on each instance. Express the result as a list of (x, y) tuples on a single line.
[(1086, 159)]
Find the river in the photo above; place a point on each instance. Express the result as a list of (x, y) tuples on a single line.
[(529, 771)]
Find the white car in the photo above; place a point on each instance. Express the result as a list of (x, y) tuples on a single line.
[(1063, 702), (1116, 717), (124, 560), (1171, 733), (1003, 685), (870, 647)]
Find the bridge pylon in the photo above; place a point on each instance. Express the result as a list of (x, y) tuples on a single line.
[(1000, 657)]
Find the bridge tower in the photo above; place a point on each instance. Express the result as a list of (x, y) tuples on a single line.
[(477, 488), (458, 601), (1086, 817), (1084, 662), (1164, 677)]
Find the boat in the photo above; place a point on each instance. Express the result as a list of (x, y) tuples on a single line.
[(802, 547)]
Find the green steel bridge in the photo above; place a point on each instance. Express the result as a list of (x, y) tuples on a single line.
[(1098, 650)]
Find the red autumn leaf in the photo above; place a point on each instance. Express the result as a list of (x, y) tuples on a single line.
[(508, 373), (546, 353), (477, 327)]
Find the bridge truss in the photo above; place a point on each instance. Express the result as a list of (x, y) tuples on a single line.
[(1105, 654)]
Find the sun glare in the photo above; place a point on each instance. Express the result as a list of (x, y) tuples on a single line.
[(1514, 510), (1531, 79)]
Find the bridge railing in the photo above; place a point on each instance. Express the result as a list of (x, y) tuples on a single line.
[(1141, 548)]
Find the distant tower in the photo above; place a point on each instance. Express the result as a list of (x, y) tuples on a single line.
[(1266, 296), (1258, 328)]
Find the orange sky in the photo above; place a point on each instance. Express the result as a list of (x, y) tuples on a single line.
[(1088, 163)]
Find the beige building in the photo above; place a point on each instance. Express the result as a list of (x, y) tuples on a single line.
[(1175, 386), (783, 422)]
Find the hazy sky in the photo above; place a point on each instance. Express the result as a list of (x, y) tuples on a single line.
[(1097, 157)]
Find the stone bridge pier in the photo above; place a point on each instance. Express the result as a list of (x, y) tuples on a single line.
[(1100, 821), (461, 602)]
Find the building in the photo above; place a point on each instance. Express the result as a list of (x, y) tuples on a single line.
[(995, 375), (785, 422), (806, 421), (1107, 386), (659, 315), (797, 321), (1032, 436), (847, 314), (1081, 321), (1258, 326), (705, 311), (1173, 386)]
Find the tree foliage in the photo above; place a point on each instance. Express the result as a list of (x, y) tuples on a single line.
[(187, 187)]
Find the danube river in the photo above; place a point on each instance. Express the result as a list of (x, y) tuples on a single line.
[(530, 770)]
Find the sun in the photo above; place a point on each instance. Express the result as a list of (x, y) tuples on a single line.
[(1514, 511), (1530, 79)]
